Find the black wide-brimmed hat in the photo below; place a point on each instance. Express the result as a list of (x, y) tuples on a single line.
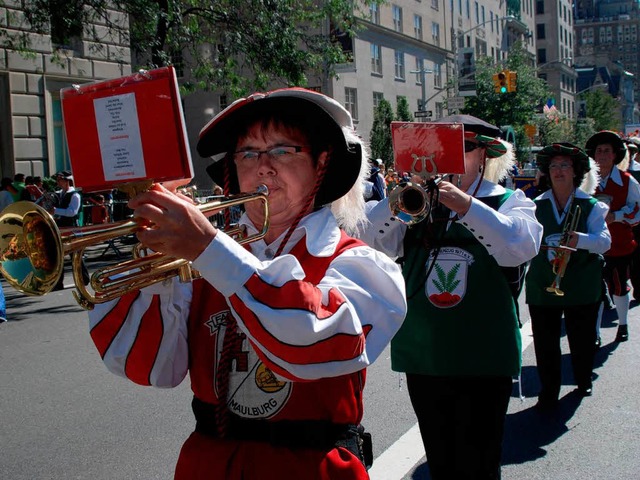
[(483, 132), (578, 157), (219, 136), (607, 137)]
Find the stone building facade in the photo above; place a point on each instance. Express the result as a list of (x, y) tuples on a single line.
[(31, 133)]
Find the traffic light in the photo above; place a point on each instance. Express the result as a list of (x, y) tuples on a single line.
[(500, 82), (512, 81)]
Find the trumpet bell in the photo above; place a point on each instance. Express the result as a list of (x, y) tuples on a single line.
[(409, 203), (30, 248)]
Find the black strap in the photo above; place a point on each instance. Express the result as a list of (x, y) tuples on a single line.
[(314, 434)]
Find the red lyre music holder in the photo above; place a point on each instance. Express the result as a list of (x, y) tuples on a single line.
[(126, 130), (428, 149)]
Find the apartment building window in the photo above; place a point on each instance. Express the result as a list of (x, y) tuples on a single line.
[(542, 55), (374, 13), (419, 68), (468, 8), (476, 11), (482, 15), (377, 97), (417, 26), (540, 32), (351, 101), (460, 6), (539, 7), (437, 75), (435, 33), (399, 65), (376, 59), (223, 101), (397, 18), (434, 4), (491, 20), (439, 110)]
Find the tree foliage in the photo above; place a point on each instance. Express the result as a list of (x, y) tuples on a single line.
[(403, 114), (603, 109), (514, 108), (230, 45), (380, 137)]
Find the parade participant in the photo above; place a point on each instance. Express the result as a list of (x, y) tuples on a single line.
[(571, 218), (621, 192), (459, 355), (276, 336), (633, 143), (66, 214)]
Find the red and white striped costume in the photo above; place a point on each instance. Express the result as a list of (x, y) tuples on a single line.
[(311, 321)]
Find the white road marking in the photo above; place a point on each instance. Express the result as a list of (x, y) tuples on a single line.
[(400, 458)]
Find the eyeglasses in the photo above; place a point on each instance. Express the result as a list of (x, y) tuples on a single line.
[(560, 166), (279, 153), (470, 146)]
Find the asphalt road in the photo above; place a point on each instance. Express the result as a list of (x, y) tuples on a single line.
[(63, 416)]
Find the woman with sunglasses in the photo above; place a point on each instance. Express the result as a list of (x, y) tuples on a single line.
[(565, 278), (460, 343)]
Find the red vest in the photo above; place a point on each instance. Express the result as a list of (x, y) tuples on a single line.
[(254, 391), (622, 239)]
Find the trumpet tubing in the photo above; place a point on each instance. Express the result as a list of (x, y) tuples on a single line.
[(32, 250), (563, 251)]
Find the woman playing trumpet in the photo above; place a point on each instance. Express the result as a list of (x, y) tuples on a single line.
[(276, 337), (565, 277)]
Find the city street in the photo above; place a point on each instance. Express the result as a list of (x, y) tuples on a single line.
[(64, 416)]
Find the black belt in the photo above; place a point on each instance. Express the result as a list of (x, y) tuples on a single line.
[(313, 434)]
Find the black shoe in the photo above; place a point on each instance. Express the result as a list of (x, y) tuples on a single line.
[(598, 341), (584, 391), (623, 333), (546, 404)]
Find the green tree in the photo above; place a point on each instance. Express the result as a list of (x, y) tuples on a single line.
[(380, 137), (603, 109), (515, 108), (403, 114), (230, 45)]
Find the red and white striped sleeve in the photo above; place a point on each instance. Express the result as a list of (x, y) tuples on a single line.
[(143, 335), (304, 331)]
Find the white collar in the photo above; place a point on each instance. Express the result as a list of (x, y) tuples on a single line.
[(321, 230)]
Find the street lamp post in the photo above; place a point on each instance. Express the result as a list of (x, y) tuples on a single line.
[(422, 72), (592, 87), (454, 45)]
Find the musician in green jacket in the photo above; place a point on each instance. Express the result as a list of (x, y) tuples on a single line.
[(565, 277)]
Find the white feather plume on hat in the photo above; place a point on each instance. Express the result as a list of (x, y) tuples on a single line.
[(498, 168), (591, 178)]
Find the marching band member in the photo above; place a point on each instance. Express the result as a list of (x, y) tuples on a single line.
[(571, 218), (621, 192), (276, 337), (460, 343)]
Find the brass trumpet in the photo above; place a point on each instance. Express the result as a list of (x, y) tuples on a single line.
[(32, 250), (411, 203), (563, 251)]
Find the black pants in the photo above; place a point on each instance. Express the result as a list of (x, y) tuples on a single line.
[(461, 422), (580, 325)]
